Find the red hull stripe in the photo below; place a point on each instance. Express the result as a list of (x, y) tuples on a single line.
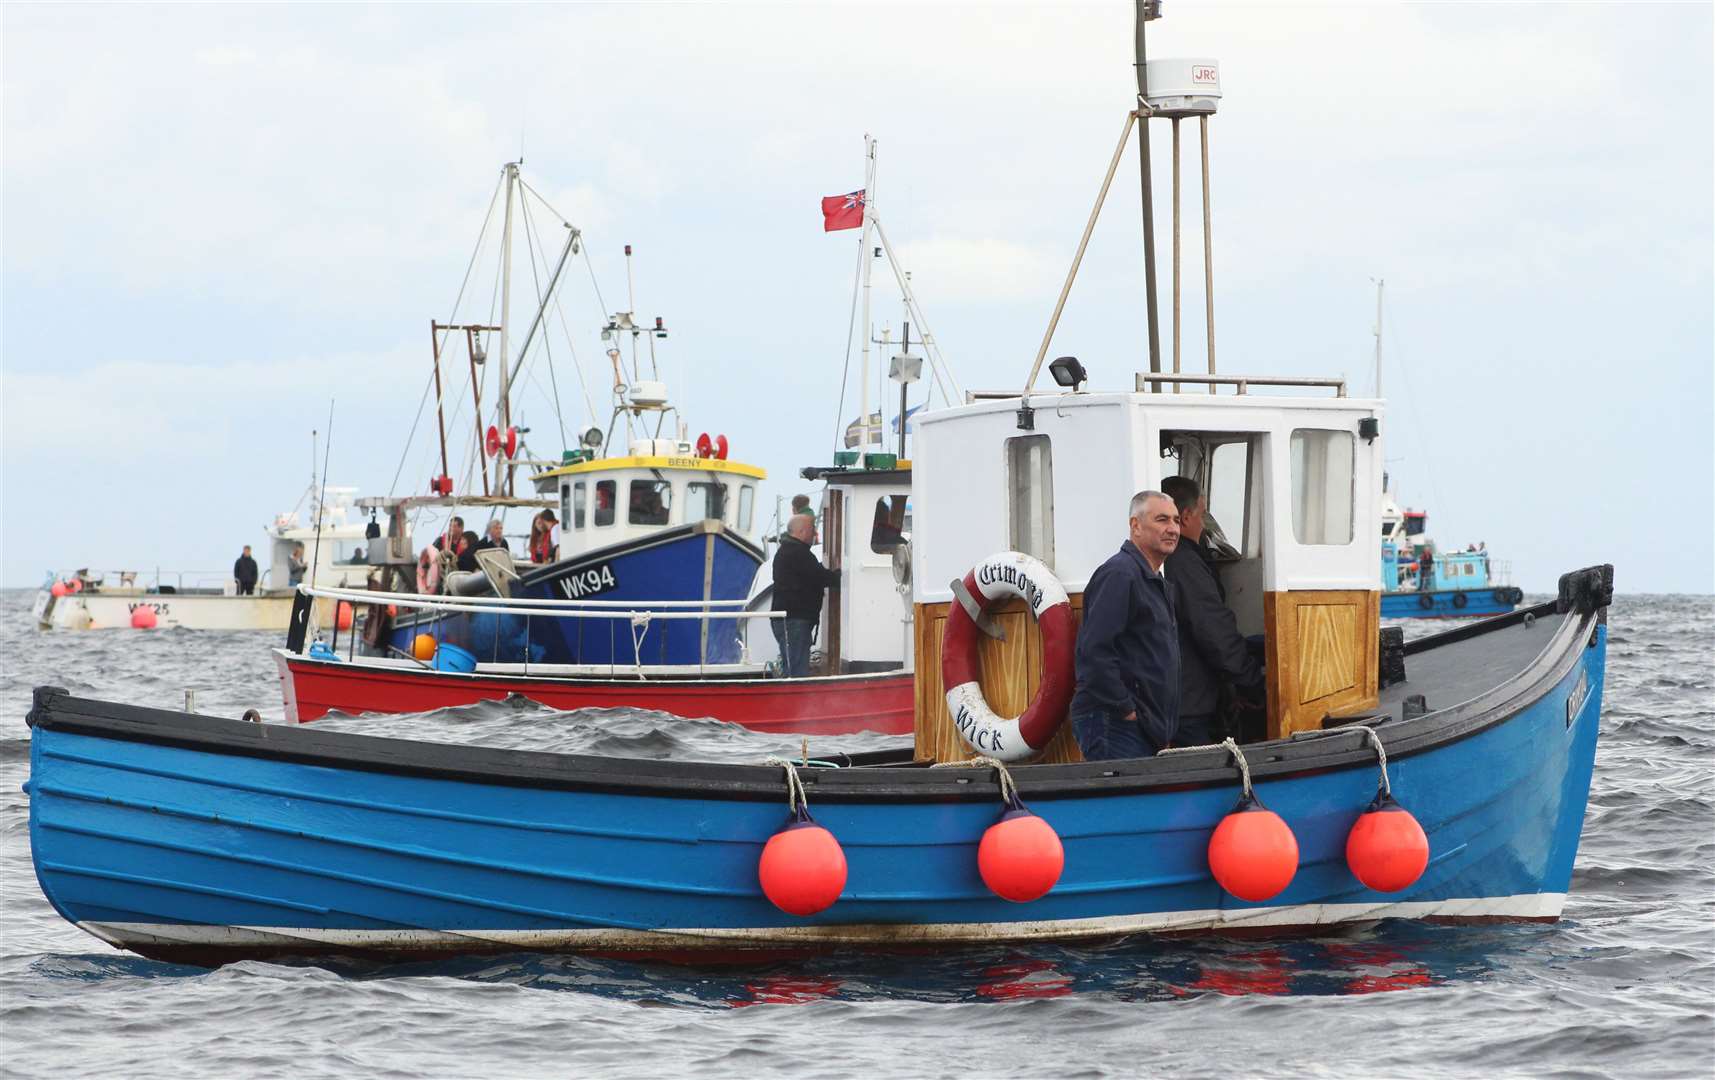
[(835, 705)]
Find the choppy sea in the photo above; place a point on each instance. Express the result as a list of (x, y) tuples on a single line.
[(1622, 986)]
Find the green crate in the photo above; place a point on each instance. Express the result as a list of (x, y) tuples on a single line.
[(845, 459), (881, 461)]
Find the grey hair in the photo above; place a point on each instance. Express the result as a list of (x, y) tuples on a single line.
[(1141, 499)]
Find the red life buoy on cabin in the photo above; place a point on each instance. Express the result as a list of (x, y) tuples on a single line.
[(1009, 573), (429, 571), (720, 447), (705, 448)]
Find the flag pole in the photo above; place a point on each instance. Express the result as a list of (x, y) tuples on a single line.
[(863, 245)]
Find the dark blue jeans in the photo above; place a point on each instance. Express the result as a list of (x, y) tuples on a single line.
[(1104, 738), (794, 635)]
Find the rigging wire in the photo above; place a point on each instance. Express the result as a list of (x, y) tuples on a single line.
[(470, 267), (534, 249), (1411, 404), (845, 372)]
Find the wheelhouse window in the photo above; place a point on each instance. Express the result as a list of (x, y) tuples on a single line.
[(1322, 464), (605, 496), (650, 502), (888, 530), (704, 501), (746, 504), (1229, 495), (1030, 489), (579, 497)]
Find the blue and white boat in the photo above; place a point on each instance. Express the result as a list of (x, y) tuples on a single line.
[(645, 518), (1460, 584), (207, 840)]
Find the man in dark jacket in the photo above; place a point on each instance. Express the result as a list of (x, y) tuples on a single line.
[(1127, 701), (244, 573), (1211, 649), (799, 580)]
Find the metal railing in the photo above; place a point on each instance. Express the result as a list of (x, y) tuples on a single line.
[(640, 615), (1144, 383)]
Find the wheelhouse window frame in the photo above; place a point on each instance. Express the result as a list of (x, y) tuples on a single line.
[(1322, 472), (1030, 496), (606, 491), (655, 507)]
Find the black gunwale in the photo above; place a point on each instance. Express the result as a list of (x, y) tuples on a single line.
[(56, 710)]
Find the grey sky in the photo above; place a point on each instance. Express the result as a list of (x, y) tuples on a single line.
[(215, 218)]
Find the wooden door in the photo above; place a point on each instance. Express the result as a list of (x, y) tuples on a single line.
[(1322, 654)]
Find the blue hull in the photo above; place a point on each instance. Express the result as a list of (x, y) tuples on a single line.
[(1446, 603), (192, 838), (676, 565)]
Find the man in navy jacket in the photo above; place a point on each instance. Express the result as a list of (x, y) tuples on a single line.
[(799, 581), (1212, 652), (1127, 701)]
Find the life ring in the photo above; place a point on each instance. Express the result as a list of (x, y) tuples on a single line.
[(1425, 601), (1460, 599), (1504, 596), (1009, 573), (429, 571)]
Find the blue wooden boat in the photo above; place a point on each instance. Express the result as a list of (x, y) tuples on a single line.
[(205, 840)]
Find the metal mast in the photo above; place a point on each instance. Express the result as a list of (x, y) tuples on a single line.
[(1145, 11), (1379, 283), (864, 255), (505, 323)]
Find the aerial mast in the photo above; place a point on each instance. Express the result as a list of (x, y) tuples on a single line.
[(865, 256), (1147, 10), (505, 322), (1379, 283)]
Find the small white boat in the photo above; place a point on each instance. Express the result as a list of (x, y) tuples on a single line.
[(85, 599)]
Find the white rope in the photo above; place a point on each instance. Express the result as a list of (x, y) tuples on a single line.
[(639, 630), (1008, 786), (1381, 756), (795, 797)]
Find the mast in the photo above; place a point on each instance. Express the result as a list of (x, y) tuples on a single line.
[(1147, 10), (505, 322), (864, 256), (1379, 283)]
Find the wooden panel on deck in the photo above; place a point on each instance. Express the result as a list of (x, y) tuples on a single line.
[(1322, 655), (1011, 672)]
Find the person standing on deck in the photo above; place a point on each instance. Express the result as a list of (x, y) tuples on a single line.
[(244, 573), (799, 580), (1212, 652), (1425, 570), (296, 565), (1127, 700), (496, 537)]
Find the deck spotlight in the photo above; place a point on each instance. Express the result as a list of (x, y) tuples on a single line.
[(1068, 372), (478, 354)]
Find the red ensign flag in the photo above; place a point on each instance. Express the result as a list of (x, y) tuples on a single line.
[(842, 211)]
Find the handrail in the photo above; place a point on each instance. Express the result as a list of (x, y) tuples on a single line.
[(369, 596), (1243, 382), (558, 609)]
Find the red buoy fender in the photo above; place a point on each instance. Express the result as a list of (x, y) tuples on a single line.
[(143, 617), (1010, 573), (721, 447), (803, 868), (1387, 849), (1253, 854), (1020, 857)]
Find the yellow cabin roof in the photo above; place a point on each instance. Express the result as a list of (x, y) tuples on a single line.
[(687, 463)]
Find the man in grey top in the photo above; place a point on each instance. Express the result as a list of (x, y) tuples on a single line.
[(1212, 652)]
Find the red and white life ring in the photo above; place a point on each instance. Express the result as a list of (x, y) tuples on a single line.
[(1009, 573), (429, 571)]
